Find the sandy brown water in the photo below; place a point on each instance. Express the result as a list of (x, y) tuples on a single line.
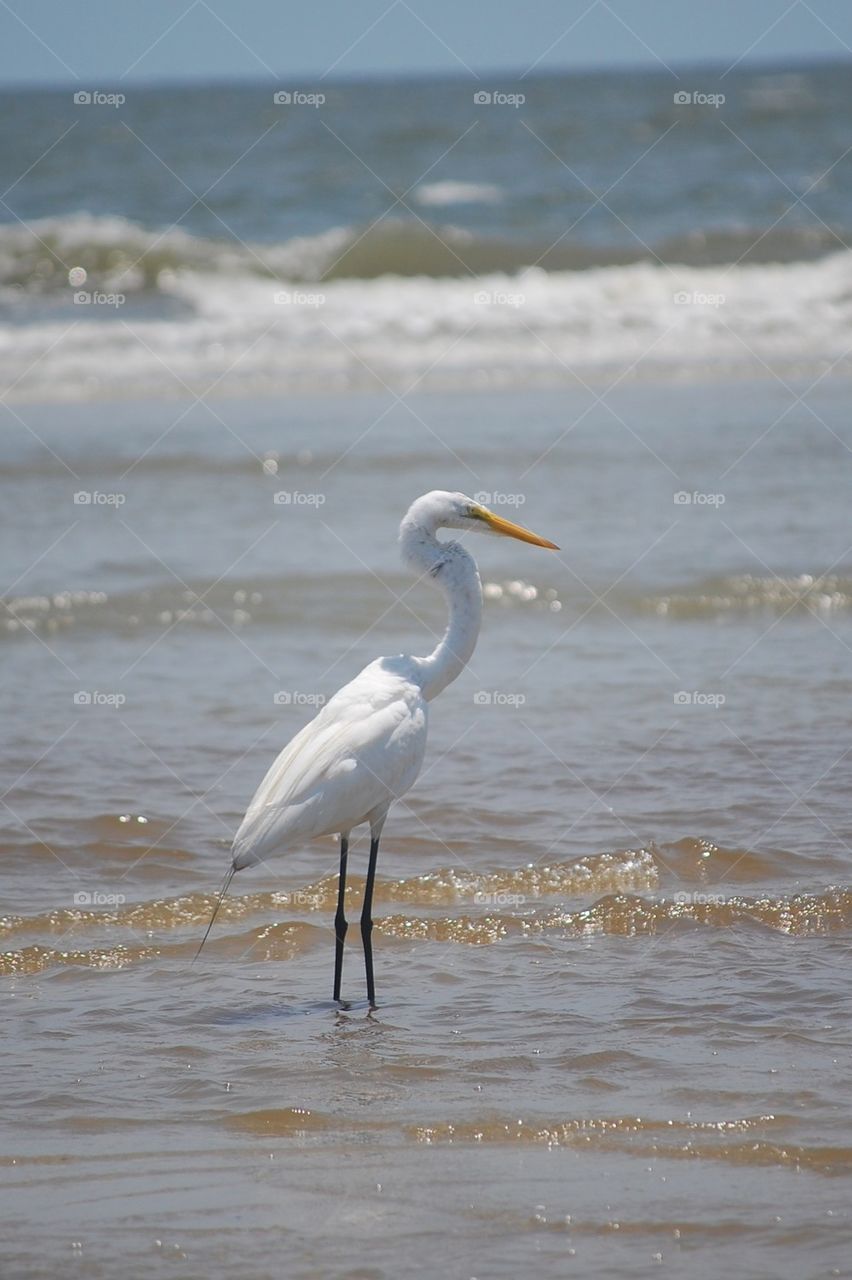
[(614, 927)]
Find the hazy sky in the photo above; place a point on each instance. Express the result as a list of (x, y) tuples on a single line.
[(99, 42)]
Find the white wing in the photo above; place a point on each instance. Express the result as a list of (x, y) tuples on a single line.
[(362, 751)]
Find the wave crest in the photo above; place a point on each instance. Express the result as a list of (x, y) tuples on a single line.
[(403, 302)]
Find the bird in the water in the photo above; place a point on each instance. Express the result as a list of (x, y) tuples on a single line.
[(365, 747)]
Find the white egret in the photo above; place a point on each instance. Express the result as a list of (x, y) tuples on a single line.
[(364, 749)]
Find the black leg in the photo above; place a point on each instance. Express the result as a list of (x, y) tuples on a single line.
[(340, 925), (367, 922)]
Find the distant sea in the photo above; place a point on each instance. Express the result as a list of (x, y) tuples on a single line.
[(569, 227)]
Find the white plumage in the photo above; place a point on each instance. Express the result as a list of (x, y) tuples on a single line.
[(360, 753), (365, 748)]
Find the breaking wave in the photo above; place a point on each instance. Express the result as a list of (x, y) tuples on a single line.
[(157, 312)]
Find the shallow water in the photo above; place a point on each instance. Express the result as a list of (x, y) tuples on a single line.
[(614, 923)]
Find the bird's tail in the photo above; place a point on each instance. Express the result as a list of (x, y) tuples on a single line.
[(228, 878)]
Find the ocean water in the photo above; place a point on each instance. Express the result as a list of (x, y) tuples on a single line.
[(402, 233), (614, 916)]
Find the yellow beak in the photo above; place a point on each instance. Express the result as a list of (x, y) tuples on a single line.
[(510, 530)]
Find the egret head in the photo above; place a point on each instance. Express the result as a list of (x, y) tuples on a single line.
[(442, 510)]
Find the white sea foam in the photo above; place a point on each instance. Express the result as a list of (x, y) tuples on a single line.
[(197, 312)]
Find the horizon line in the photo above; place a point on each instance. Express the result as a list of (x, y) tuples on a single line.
[(513, 74)]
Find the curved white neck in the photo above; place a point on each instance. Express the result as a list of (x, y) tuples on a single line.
[(452, 569)]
